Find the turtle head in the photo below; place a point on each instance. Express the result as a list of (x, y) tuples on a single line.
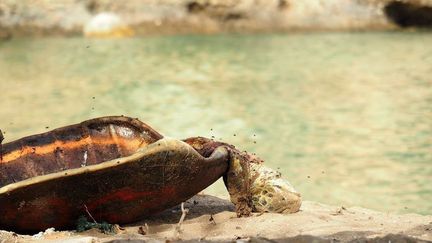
[(255, 187), (272, 193)]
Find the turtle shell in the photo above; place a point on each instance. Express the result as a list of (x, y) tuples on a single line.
[(116, 168)]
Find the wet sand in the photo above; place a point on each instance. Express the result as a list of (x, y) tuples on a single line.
[(213, 219)]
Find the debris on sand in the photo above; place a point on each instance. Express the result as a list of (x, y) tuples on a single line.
[(42, 234), (83, 224)]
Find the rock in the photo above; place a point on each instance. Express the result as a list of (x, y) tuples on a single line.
[(43, 17), (409, 14), (113, 18), (108, 25)]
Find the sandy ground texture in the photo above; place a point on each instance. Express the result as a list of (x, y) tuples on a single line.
[(213, 219)]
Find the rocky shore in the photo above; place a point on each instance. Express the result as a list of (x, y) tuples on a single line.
[(69, 17), (211, 219)]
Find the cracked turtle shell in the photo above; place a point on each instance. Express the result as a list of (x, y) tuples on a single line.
[(117, 169)]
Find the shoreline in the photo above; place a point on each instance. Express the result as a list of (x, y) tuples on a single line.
[(213, 219)]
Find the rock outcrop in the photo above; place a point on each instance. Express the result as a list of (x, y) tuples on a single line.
[(107, 25), (41, 17)]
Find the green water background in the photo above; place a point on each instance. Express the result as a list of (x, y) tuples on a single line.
[(346, 117)]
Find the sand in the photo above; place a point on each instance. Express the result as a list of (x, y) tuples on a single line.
[(213, 219)]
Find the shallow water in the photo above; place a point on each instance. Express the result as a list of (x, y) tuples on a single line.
[(346, 117)]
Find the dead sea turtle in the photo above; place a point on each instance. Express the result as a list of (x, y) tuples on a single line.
[(119, 170)]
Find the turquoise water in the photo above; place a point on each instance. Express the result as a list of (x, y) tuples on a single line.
[(346, 117)]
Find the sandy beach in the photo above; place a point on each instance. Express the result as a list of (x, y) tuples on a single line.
[(213, 219)]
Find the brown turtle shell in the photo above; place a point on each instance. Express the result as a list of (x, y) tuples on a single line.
[(117, 168)]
